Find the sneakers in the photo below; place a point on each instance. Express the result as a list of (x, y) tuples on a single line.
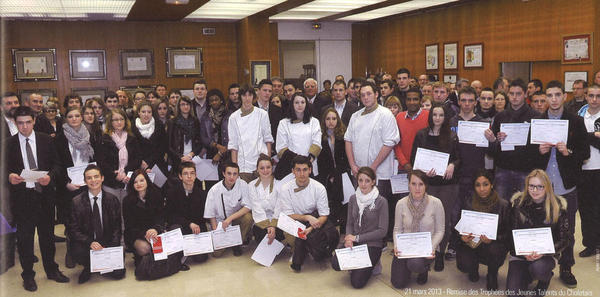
[(422, 278), (450, 255), (439, 262), (567, 277), (587, 252)]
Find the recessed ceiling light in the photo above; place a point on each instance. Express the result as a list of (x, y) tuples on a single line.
[(177, 2)]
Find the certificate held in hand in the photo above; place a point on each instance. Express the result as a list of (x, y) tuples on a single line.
[(472, 132), (355, 257), (196, 244), (477, 224), (425, 160), (549, 131), (106, 259), (414, 245), (537, 240), (226, 238), (289, 225)]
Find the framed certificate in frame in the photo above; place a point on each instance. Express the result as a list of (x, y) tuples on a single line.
[(87, 64), (451, 56), (577, 49), (33, 64), (136, 63), (260, 70), (473, 55), (184, 62), (572, 76), (431, 57)]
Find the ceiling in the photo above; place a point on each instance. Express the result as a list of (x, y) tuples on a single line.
[(213, 10)]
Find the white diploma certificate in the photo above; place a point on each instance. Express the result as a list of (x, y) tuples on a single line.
[(478, 223), (32, 175), (184, 62), (107, 259), (414, 245), (516, 133), (426, 160), (289, 225), (226, 238), (196, 244), (472, 132), (399, 183), (87, 64), (265, 253), (136, 64), (537, 240), (356, 257), (159, 177), (549, 131), (33, 65), (205, 169), (172, 242), (348, 187), (76, 174)]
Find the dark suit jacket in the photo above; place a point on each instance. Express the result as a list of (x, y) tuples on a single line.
[(140, 216), (327, 169), (349, 109), (107, 156), (24, 204), (154, 148), (317, 106), (183, 210), (176, 137), (81, 229), (42, 124)]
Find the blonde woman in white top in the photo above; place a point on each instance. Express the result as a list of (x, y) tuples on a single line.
[(298, 134)]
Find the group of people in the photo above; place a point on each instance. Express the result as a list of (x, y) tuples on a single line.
[(286, 150)]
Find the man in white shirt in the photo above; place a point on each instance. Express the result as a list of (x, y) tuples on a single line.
[(371, 136), (227, 203), (305, 200), (249, 135)]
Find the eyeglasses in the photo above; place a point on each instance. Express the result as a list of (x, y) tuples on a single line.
[(536, 187)]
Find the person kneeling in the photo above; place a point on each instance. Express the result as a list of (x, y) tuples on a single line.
[(367, 224), (302, 199), (100, 229), (228, 203)]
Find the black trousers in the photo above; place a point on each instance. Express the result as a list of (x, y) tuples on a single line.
[(589, 207), (402, 268), (360, 277), (81, 255), (492, 255), (43, 220), (320, 243), (566, 256), (521, 273)]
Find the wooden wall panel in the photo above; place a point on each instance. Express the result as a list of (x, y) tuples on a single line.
[(511, 30), (220, 50), (257, 40)]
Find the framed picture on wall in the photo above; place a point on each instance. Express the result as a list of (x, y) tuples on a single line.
[(260, 70), (451, 55), (450, 78), (33, 64), (87, 64), (46, 93), (130, 90), (572, 76), (88, 93), (431, 57), (187, 92), (473, 54), (577, 49), (136, 63), (184, 62)]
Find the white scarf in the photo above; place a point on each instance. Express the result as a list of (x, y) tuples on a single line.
[(365, 200), (146, 130)]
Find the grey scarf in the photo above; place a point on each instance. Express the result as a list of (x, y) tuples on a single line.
[(80, 140)]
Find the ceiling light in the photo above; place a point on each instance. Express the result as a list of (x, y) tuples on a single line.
[(177, 2)]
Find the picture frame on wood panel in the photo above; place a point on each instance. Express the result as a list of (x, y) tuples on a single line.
[(473, 55), (136, 63), (577, 49), (259, 70), (572, 76), (431, 57), (451, 56), (450, 78), (88, 93), (46, 93), (130, 90), (87, 64), (34, 64), (187, 92), (184, 62)]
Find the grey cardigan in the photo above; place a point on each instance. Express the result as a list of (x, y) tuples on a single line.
[(374, 222)]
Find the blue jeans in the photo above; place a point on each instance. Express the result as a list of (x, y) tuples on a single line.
[(509, 182)]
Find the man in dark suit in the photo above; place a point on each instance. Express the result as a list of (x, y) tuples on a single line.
[(95, 222), (33, 202), (265, 90), (317, 102), (344, 108)]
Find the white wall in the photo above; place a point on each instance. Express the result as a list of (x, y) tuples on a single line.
[(295, 54), (333, 46)]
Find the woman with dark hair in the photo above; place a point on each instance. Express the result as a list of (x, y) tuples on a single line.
[(417, 212), (184, 134), (72, 101), (174, 96), (152, 137), (97, 104), (92, 125), (118, 153), (367, 224), (537, 207), (472, 250), (443, 185), (298, 134), (152, 96), (162, 112), (50, 110), (214, 127), (500, 101), (332, 163)]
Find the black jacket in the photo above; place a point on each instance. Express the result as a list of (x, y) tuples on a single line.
[(472, 157), (182, 209), (107, 156), (349, 109), (176, 137), (317, 106), (81, 229), (424, 140), (569, 166), (140, 216), (152, 149), (532, 215), (62, 148), (328, 169)]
